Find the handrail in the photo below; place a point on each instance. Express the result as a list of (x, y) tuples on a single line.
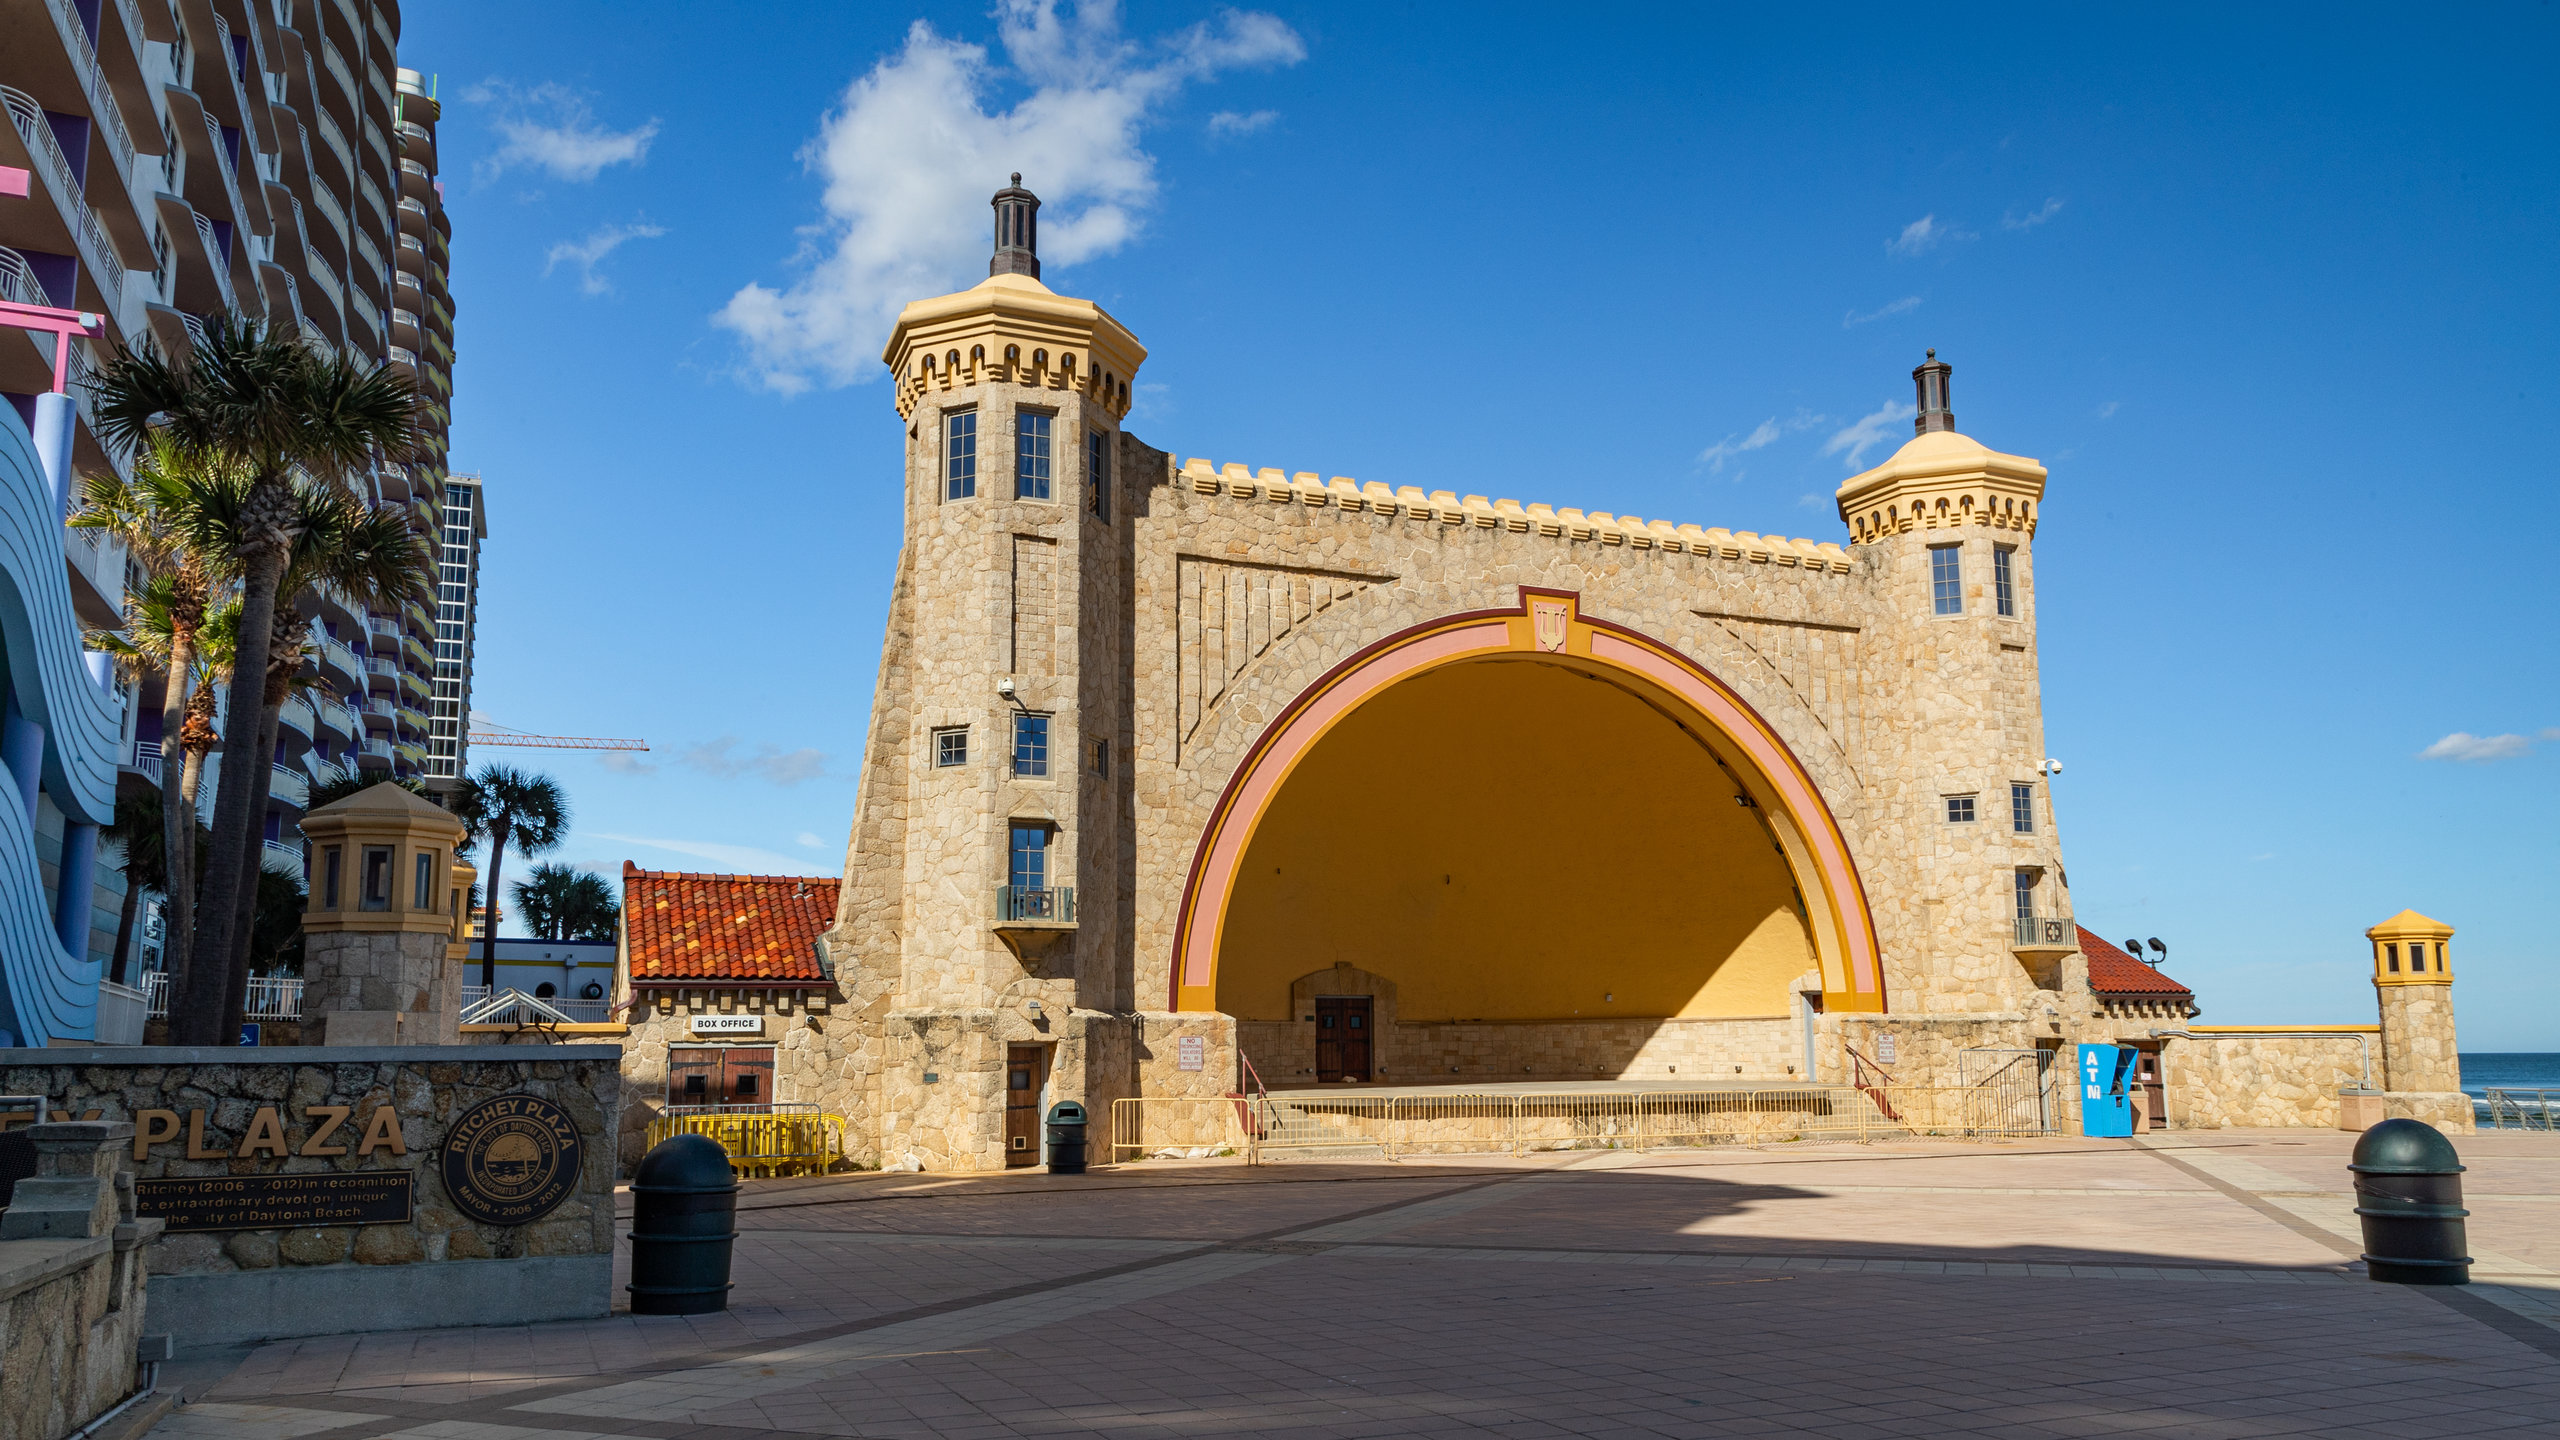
[(26, 116), (19, 282), (93, 82), (214, 260)]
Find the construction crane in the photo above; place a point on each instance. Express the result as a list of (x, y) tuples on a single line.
[(484, 733)]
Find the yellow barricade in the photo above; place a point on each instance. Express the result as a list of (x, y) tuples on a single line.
[(764, 1145)]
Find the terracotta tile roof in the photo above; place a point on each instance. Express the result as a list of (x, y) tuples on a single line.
[(686, 927), (2113, 972)]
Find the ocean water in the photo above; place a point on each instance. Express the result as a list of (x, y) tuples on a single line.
[(2486, 1070)]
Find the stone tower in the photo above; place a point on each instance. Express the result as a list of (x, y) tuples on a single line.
[(383, 926), (2413, 988), (1972, 907), (986, 886)]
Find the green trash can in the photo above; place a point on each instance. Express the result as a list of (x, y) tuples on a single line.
[(1066, 1138), (684, 1214), (2409, 1198)]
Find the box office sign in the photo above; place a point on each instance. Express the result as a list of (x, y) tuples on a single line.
[(728, 1025)]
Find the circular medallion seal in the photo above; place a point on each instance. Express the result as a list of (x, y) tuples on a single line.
[(511, 1160)]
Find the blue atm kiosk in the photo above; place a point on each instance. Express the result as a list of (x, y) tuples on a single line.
[(2106, 1090)]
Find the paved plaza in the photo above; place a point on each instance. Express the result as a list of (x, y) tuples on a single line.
[(2172, 1285)]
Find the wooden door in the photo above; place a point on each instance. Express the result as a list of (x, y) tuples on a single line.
[(1021, 1105), (730, 1075), (1342, 1036)]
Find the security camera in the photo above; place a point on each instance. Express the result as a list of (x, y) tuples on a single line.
[(2051, 766), (1004, 687)]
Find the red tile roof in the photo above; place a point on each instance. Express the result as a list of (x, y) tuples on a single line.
[(731, 928), (2113, 972)]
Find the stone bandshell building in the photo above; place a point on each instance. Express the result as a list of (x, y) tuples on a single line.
[(1182, 777)]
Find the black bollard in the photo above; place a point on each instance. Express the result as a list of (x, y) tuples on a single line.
[(2409, 1197), (684, 1211), (1066, 1138)]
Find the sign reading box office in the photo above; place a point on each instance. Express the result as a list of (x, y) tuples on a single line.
[(508, 1160)]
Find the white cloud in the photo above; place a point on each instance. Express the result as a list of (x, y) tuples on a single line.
[(2033, 218), (1762, 435), (767, 761), (1903, 306), (912, 151), (2464, 746), (1229, 123), (552, 128), (746, 859), (623, 762), (587, 253), (1924, 235), (812, 841), (2108, 410), (1868, 431)]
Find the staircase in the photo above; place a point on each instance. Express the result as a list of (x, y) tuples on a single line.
[(1287, 1132)]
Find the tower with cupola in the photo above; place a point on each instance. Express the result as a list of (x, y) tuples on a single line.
[(1974, 906), (985, 882)]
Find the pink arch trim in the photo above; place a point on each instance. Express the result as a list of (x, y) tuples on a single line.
[(1316, 709)]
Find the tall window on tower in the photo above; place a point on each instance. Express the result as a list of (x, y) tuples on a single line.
[(1031, 456), (1946, 578), (960, 455), (2001, 588), (1031, 745), (1030, 868), (1097, 474)]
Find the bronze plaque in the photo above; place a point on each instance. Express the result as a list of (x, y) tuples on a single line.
[(278, 1202), (511, 1160)]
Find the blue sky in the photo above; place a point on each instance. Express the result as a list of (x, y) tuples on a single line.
[(2271, 294)]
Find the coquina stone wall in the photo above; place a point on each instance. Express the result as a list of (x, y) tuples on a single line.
[(71, 1283), (2231, 1081), (437, 1268)]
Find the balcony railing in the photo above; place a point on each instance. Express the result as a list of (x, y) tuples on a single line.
[(93, 83), (1018, 902), (27, 117), (335, 139), (18, 282), (2043, 931), (269, 997), (214, 260), (143, 758)]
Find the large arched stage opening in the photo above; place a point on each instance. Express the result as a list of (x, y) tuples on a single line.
[(1524, 816)]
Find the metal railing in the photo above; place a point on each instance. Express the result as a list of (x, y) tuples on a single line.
[(2043, 930), (2533, 1109), (1317, 1125), (93, 82), (27, 117), (214, 259), (269, 997), (336, 64), (512, 1006), (760, 1144), (1021, 902), (144, 756), (18, 281)]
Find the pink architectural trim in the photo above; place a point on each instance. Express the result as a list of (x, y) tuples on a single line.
[(61, 324), (1268, 764)]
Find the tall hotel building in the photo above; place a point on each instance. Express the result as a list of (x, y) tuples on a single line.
[(165, 163)]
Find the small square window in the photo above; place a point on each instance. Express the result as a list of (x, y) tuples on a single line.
[(1031, 745), (1959, 809), (2022, 809), (1946, 579), (951, 747)]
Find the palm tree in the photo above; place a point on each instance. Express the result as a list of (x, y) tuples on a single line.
[(500, 804), (159, 517), (561, 902), (259, 398), (372, 555)]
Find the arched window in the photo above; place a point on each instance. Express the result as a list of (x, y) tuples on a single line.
[(977, 355), (1013, 354), (928, 365), (952, 360), (1039, 359), (1067, 362)]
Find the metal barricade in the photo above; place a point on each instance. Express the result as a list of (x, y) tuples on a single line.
[(1144, 1126), (767, 1144)]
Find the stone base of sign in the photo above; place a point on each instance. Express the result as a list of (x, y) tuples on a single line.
[(2360, 1110), (337, 1119), (287, 1303)]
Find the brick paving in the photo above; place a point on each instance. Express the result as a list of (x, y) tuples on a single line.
[(2181, 1285)]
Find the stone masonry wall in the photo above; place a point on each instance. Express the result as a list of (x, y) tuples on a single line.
[(2227, 1081)]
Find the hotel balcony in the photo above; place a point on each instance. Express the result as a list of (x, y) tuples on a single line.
[(379, 715), (298, 717), (61, 222), (340, 665), (287, 785), (374, 754), (381, 675)]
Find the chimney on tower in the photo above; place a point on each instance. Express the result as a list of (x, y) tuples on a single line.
[(1017, 231), (1931, 377)]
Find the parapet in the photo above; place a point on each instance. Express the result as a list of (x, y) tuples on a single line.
[(1443, 507), (1011, 329)]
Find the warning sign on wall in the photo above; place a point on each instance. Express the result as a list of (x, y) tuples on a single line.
[(1191, 1053)]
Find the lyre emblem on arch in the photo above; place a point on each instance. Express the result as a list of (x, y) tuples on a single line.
[(1551, 619)]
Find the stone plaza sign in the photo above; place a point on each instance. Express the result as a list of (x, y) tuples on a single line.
[(323, 1189)]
